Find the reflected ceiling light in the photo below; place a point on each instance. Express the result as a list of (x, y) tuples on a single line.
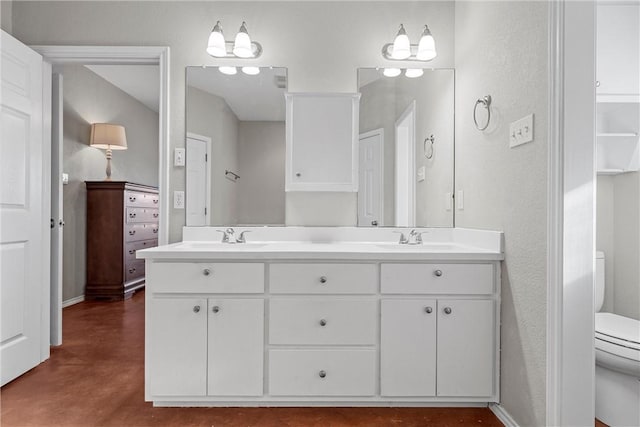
[(252, 71), (230, 71), (242, 47), (402, 50), (391, 72), (413, 72)]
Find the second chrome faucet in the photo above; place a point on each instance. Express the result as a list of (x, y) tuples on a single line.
[(229, 236)]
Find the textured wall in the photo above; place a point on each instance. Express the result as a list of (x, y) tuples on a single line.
[(88, 98), (501, 49)]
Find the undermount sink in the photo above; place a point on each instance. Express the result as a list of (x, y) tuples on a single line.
[(218, 246), (419, 247)]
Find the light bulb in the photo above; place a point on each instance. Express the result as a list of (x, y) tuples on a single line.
[(427, 46), (230, 71), (413, 72), (242, 45), (391, 72), (252, 71), (401, 46), (216, 45)]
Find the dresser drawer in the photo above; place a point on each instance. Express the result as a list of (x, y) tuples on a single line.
[(140, 199), (130, 249), (322, 321), (134, 270), (323, 278), (437, 278), (322, 372), (138, 215), (206, 277), (136, 232)]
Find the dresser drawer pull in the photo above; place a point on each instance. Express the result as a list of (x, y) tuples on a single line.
[(438, 273), (323, 322), (155, 215), (155, 230), (322, 374), (206, 271), (196, 309), (132, 232), (132, 270), (447, 310), (132, 251), (215, 309), (323, 279), (428, 310), (155, 201), (132, 198), (132, 215)]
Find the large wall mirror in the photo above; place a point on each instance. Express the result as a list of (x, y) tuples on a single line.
[(406, 150), (235, 146)]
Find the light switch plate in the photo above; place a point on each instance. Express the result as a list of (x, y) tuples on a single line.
[(179, 157), (178, 199), (421, 174), (65, 178), (521, 131)]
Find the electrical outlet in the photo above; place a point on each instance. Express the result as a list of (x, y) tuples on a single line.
[(521, 131), (178, 199), (421, 173), (179, 157), (65, 178)]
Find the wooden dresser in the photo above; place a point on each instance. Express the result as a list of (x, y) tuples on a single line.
[(122, 218)]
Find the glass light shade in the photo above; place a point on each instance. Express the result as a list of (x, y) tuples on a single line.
[(391, 72), (252, 71), (427, 46), (242, 45), (216, 45), (401, 45), (414, 72), (230, 71)]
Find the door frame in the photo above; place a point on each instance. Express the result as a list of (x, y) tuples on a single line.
[(410, 110), (207, 202), (380, 132), (118, 55)]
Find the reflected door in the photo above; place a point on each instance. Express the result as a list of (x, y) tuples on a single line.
[(370, 179), (197, 203)]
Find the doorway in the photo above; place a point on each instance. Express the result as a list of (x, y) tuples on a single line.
[(405, 133), (371, 173)]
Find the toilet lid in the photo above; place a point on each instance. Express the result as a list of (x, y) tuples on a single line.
[(623, 330)]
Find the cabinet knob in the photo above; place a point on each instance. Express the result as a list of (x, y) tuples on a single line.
[(447, 310), (196, 309), (597, 83), (298, 174), (323, 322), (215, 309), (206, 272), (428, 309), (323, 279), (438, 273), (322, 374)]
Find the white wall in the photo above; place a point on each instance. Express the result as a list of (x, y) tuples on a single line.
[(261, 155), (6, 14), (501, 50), (605, 236), (88, 98), (322, 45)]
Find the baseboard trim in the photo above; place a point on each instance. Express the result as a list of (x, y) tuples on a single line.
[(72, 301), (503, 415)]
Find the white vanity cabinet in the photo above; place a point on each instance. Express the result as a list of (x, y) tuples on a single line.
[(322, 142)]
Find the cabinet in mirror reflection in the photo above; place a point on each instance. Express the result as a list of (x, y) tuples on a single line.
[(406, 177)]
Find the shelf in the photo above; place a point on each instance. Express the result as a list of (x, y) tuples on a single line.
[(608, 172), (616, 134), (617, 99)]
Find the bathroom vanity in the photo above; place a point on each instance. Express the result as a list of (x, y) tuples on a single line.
[(323, 316)]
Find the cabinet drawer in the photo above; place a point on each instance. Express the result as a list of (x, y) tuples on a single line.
[(138, 215), (323, 278), (204, 277), (134, 270), (136, 232), (140, 199), (322, 372), (322, 321), (130, 249), (437, 278)]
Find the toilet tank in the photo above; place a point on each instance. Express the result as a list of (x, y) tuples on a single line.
[(599, 294)]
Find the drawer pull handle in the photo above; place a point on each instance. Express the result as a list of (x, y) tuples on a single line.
[(155, 201), (323, 279), (132, 232), (447, 310), (132, 215), (132, 270), (132, 199), (428, 310), (132, 251), (322, 374), (196, 309), (438, 273), (155, 230), (323, 322), (155, 215), (215, 309), (206, 272)]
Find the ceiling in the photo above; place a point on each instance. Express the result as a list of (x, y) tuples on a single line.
[(142, 82)]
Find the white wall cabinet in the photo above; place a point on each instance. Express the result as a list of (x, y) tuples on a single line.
[(322, 142)]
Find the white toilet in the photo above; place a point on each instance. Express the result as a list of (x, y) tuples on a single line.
[(617, 343)]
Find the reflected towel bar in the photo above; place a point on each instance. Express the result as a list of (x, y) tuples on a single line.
[(235, 175)]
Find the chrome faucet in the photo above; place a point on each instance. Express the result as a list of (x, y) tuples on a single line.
[(229, 236), (414, 238)]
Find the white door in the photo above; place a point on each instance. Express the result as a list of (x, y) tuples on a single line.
[(57, 222), (370, 184), (405, 168), (22, 157), (197, 181)]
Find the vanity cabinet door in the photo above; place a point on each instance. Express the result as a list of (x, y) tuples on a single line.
[(466, 343), (408, 347), (177, 352), (321, 142), (236, 347)]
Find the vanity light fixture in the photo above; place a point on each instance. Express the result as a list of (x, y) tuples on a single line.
[(242, 47), (392, 72), (230, 71), (413, 72), (402, 50), (252, 71)]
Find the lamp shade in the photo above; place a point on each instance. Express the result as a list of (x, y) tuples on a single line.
[(216, 45), (242, 46), (108, 136), (427, 46), (401, 45)]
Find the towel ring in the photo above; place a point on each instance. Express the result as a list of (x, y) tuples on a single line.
[(428, 150), (486, 102)]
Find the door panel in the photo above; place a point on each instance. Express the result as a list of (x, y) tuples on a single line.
[(370, 181), (196, 202)]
